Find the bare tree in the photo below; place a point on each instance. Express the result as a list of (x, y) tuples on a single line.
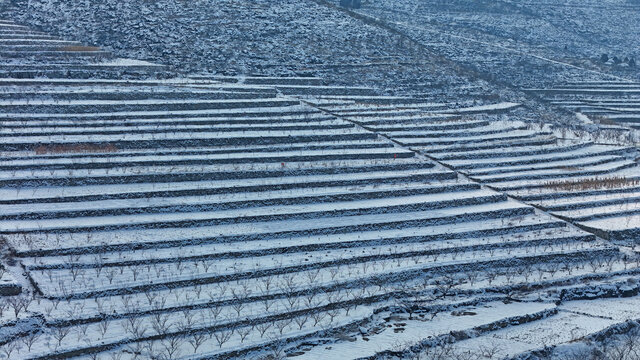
[(171, 345), (135, 271), (17, 304), (111, 274), (332, 314), (30, 339), (198, 291), (312, 275), (491, 276), (567, 267), (509, 274), (445, 285), (135, 349), (104, 327), (243, 332), (262, 328), (82, 330), (238, 302), (9, 348), (136, 326), (60, 333), (278, 350), (333, 271), (116, 355), (610, 261), (282, 324), (151, 297), (222, 336), (196, 340), (265, 284), (490, 351), (552, 269), (472, 277), (214, 313), (98, 262), (301, 320), (439, 352)]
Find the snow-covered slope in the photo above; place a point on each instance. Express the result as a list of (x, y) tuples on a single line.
[(258, 217)]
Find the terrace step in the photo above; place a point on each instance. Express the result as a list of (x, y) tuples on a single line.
[(247, 158), (333, 101), (327, 259), (324, 90), (612, 165), (288, 228), (619, 170), (470, 229), (183, 139), (454, 150), (32, 46), (420, 117), (259, 184), (22, 32), (601, 211), (231, 119), (437, 126), (106, 72), (158, 129), (54, 54), (564, 194), (524, 234), (64, 82), (133, 94), (92, 106), (512, 135), (191, 173), (508, 156), (231, 116), (413, 133), (623, 229), (564, 154), (491, 153), (310, 81), (53, 207), (579, 163), (362, 118), (408, 273), (96, 153), (208, 215)]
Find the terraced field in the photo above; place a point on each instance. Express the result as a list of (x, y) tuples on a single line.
[(26, 53), (217, 217), (610, 102), (587, 183)]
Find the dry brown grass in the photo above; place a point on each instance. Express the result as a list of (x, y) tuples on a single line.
[(593, 183), (79, 48), (75, 148)]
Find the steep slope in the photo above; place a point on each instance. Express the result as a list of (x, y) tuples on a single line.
[(226, 36)]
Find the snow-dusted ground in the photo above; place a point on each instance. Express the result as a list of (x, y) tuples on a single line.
[(193, 218), (285, 240)]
